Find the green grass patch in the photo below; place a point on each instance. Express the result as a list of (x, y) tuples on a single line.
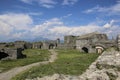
[(69, 62), (33, 55)]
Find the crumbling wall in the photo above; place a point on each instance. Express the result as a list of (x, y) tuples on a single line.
[(106, 67), (19, 44), (118, 41), (89, 39), (69, 42), (11, 53), (28, 45), (37, 45), (50, 44)]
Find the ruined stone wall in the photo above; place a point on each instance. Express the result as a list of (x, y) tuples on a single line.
[(12, 53), (69, 42), (81, 43), (69, 39), (28, 45), (89, 41), (19, 44), (99, 37), (118, 40), (64, 46), (37, 45), (106, 67), (2, 45)]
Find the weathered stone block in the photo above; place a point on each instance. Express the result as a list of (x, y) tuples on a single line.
[(12, 53)]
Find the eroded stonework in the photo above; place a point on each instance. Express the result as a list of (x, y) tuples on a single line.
[(89, 43)]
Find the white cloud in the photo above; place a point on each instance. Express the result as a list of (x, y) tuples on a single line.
[(66, 16), (19, 21), (12, 23), (47, 1), (109, 25), (69, 2), (18, 26), (112, 10), (55, 28), (43, 3), (47, 5), (76, 30), (4, 29), (43, 28), (27, 1)]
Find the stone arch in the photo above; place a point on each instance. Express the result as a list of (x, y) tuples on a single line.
[(3, 55), (85, 49), (99, 48), (40, 46), (51, 46)]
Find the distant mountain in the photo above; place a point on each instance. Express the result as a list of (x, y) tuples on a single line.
[(39, 39), (27, 39)]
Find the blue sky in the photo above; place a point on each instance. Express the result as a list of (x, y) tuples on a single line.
[(30, 19)]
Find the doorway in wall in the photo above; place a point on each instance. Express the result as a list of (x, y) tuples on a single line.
[(85, 49)]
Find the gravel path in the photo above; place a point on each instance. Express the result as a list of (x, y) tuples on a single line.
[(11, 73)]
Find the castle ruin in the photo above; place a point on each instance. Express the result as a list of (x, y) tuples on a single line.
[(89, 43)]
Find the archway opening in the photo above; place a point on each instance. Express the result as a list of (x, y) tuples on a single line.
[(85, 49), (99, 49), (3, 55), (51, 46), (40, 46)]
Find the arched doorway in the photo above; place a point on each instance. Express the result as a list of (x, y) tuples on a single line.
[(40, 46), (51, 46), (85, 49), (99, 49), (3, 55)]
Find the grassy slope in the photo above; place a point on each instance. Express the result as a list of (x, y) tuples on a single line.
[(70, 62), (33, 55)]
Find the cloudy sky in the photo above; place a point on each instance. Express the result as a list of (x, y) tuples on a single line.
[(31, 19)]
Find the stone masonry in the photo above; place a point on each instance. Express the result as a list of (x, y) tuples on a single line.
[(11, 53), (89, 43), (118, 40)]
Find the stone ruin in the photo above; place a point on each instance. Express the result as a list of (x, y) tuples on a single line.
[(13, 50), (10, 54), (89, 43), (8, 51)]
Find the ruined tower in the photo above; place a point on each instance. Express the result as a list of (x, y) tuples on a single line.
[(69, 41)]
